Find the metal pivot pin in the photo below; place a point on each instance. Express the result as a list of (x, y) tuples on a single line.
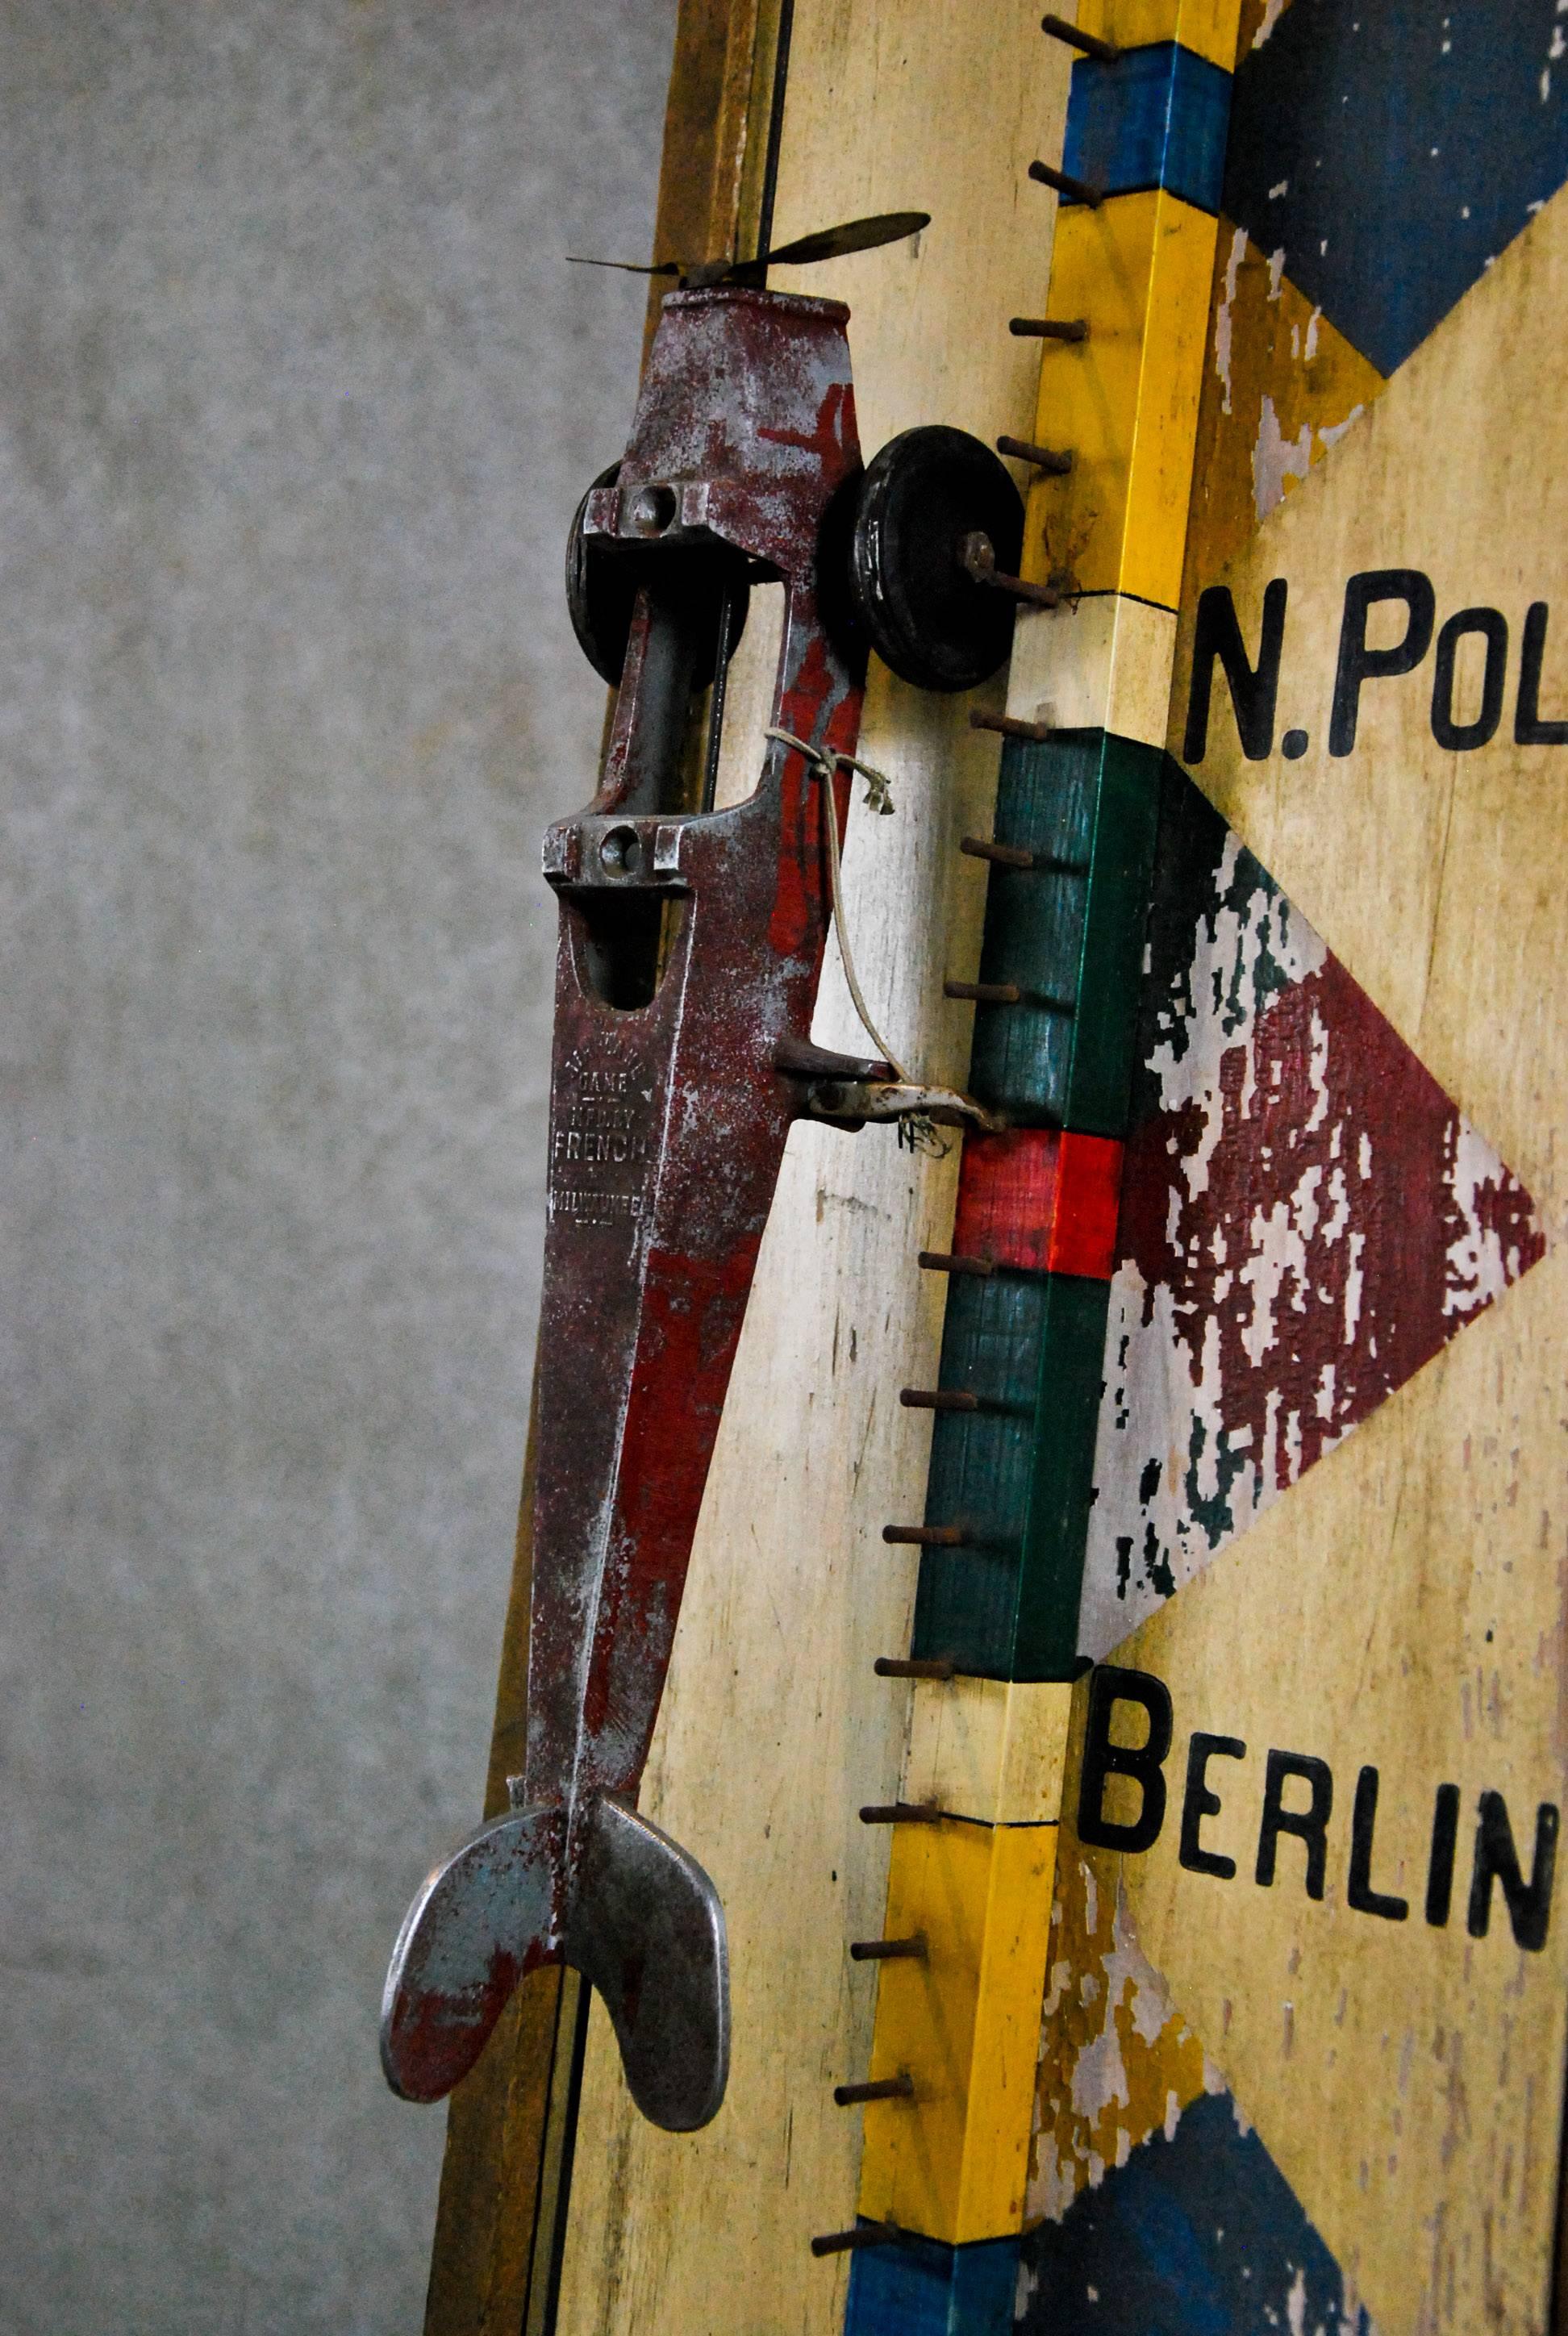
[(925, 1536), (900, 1812), (977, 559), (915, 1666)]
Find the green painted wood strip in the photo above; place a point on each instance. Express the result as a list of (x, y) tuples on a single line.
[(1017, 1481)]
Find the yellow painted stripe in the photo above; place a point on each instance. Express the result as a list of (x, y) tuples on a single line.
[(1207, 26), (1118, 2062), (1138, 271), (952, 2162)]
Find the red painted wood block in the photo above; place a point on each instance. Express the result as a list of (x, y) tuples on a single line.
[(1040, 1198)]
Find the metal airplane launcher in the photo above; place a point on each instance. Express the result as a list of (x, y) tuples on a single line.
[(691, 946)]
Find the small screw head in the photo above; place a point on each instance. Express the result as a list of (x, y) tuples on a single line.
[(653, 510), (620, 852)]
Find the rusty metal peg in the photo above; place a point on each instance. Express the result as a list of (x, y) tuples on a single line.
[(887, 1950), (1000, 855), (939, 1261), (984, 993), (1089, 43), (875, 2089), (1048, 328), (900, 1812), (924, 1536), (937, 1399), (1008, 725), (924, 1667), (865, 2235), (1079, 190), (1024, 449)]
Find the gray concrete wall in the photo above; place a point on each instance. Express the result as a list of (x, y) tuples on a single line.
[(295, 397)]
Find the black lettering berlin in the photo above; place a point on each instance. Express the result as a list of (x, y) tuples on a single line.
[(1297, 1808)]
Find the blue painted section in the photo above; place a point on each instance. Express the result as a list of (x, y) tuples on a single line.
[(1152, 117), (920, 2288), (1390, 152), (1200, 2235)]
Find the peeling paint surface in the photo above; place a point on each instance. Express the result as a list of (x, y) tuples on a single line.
[(1282, 385), (1117, 2062), (1306, 1219)]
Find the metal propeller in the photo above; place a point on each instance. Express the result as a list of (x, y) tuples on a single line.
[(827, 243)]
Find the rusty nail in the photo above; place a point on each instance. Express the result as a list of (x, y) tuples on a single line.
[(937, 1399), (865, 2235), (984, 993), (1048, 328), (900, 1812), (1079, 189), (878, 2088), (932, 1666), (926, 1536), (1090, 43), (1003, 855), (937, 1260), (1024, 449), (887, 1950), (1008, 726)]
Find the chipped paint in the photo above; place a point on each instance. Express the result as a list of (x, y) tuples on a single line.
[(1118, 2062), (1283, 388), (1306, 1220)]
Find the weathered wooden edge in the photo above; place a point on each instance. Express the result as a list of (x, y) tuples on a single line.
[(509, 2123)]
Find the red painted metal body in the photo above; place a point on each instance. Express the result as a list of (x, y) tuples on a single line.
[(691, 945), (667, 1123)]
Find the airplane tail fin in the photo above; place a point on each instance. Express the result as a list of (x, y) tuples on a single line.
[(482, 1918), (647, 1929), (644, 1924)]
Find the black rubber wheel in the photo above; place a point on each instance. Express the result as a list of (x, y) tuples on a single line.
[(925, 616), (602, 581), (600, 593)]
